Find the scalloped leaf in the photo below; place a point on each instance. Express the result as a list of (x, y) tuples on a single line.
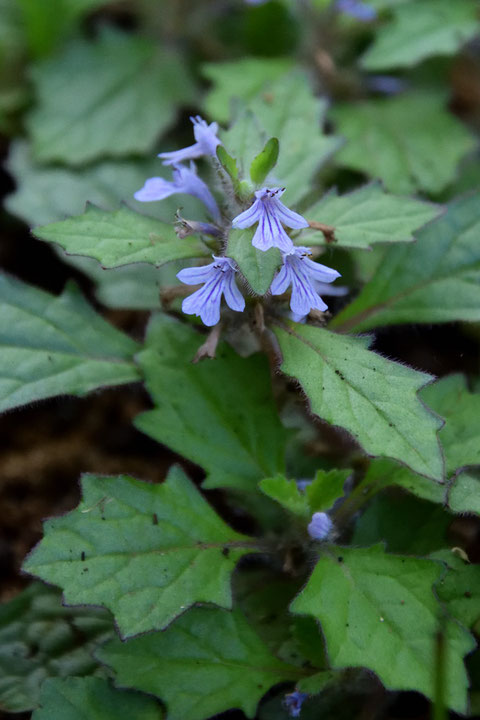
[(206, 662), (121, 237), (375, 399), (379, 611), (144, 551)]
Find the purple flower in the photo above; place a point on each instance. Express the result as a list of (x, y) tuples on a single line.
[(320, 526), (357, 9), (293, 702), (302, 273), (185, 180), (218, 279), (206, 143), (271, 215), (386, 84)]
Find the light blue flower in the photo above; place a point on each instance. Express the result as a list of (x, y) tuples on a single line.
[(185, 180), (357, 9), (206, 143), (293, 702), (271, 215), (320, 526), (302, 274), (218, 279)]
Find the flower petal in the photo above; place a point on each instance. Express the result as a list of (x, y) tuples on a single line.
[(288, 217), (233, 296), (281, 281), (248, 217), (178, 156), (319, 272), (196, 275), (155, 188)]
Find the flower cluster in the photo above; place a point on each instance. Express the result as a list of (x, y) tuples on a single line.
[(305, 277)]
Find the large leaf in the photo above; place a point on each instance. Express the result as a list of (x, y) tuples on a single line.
[(144, 551), (257, 266), (373, 398), (132, 100), (121, 238), (240, 79), (367, 216), (397, 140), (451, 399), (206, 662), (421, 29), (56, 345), (437, 279), (379, 611), (93, 698), (39, 638), (220, 414)]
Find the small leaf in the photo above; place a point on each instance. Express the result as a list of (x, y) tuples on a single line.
[(74, 698), (56, 345), (437, 279), (326, 489), (208, 661), (144, 551), (265, 161), (397, 140), (228, 163), (450, 398), (422, 29), (368, 216), (315, 684), (257, 266), (39, 638), (76, 120), (120, 238), (378, 611), (218, 414), (287, 494), (373, 398)]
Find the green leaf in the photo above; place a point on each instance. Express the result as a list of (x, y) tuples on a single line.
[(257, 266), (265, 161), (421, 29), (229, 164), (383, 473), (315, 684), (319, 495), (48, 193), (368, 216), (450, 398), (397, 140), (390, 518), (57, 345), (79, 698), (241, 79), (437, 279), (464, 493), (144, 551), (77, 120), (326, 489), (291, 112), (206, 662), (219, 414), (120, 238), (459, 589), (373, 398), (378, 611), (287, 494), (40, 638)]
